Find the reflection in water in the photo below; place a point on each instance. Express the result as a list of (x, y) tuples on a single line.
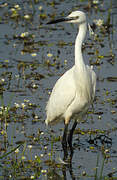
[(64, 170), (98, 141), (53, 173)]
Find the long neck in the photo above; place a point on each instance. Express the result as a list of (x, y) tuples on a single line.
[(78, 45)]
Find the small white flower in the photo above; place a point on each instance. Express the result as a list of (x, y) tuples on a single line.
[(36, 117), (16, 6), (45, 147), (84, 173), (99, 117), (99, 22), (32, 177), (34, 138), (42, 133), (41, 155), (49, 55), (30, 146), (24, 34), (106, 151), (17, 151), (34, 86), (40, 8), (27, 16), (6, 108), (33, 54), (2, 80), (16, 105), (35, 156), (49, 92), (65, 61), (23, 105), (44, 171), (95, 1)]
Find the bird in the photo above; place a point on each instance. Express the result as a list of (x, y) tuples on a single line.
[(74, 91)]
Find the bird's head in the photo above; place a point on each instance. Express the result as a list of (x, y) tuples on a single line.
[(78, 17)]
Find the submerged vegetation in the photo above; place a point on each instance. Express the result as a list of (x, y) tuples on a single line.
[(32, 56)]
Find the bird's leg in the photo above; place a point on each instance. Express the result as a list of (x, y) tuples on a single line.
[(70, 137), (64, 141)]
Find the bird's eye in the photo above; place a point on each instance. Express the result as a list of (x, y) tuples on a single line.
[(74, 18)]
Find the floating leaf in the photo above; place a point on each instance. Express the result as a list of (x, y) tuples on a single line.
[(112, 79), (98, 113)]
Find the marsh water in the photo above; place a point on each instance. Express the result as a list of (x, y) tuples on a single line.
[(33, 56)]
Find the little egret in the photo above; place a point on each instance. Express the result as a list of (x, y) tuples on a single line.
[(75, 90)]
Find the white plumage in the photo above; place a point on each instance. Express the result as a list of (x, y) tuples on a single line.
[(75, 90)]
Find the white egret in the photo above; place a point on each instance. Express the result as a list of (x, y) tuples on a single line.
[(75, 90)]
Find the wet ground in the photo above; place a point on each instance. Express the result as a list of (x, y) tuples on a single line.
[(33, 56)]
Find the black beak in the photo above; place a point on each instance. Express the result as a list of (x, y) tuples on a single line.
[(57, 21), (60, 20)]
